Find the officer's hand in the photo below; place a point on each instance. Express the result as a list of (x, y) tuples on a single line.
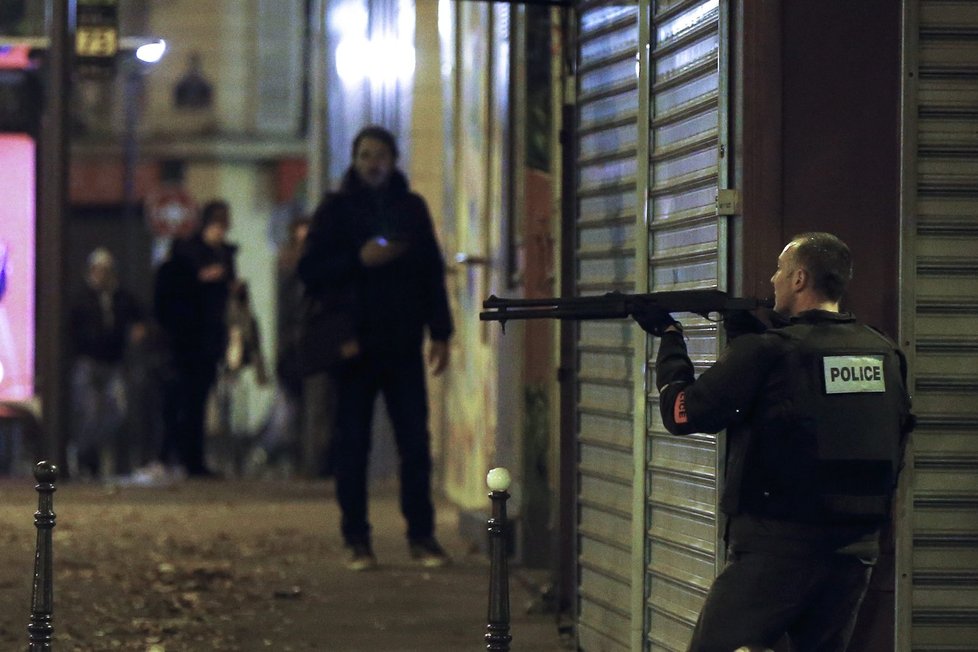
[(654, 320), (742, 322)]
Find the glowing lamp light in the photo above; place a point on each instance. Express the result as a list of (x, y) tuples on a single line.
[(383, 60), (350, 18), (350, 63), (151, 52)]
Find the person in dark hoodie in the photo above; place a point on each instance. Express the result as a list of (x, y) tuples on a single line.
[(191, 296), (371, 253)]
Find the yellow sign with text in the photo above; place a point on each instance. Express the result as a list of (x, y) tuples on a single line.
[(96, 41)]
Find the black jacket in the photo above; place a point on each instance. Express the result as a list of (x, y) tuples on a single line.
[(192, 312), (393, 304), (748, 391), (96, 336)]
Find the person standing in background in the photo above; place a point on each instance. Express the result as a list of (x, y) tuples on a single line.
[(372, 256), (191, 296), (105, 319), (306, 402)]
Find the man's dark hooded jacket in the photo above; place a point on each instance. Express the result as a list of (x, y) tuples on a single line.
[(392, 304), (192, 311)]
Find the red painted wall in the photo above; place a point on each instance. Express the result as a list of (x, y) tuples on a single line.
[(841, 138), (820, 149)]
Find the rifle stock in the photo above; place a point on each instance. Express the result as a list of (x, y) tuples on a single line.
[(616, 305)]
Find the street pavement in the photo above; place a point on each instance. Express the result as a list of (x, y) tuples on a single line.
[(243, 565)]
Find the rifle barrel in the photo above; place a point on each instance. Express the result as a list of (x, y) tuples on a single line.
[(613, 305), (616, 305)]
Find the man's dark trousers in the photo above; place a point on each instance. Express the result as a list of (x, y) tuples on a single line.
[(184, 407), (400, 378)]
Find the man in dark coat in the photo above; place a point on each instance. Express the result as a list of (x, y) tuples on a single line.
[(191, 295), (372, 255)]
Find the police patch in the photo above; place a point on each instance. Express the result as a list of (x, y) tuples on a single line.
[(679, 408), (850, 374)]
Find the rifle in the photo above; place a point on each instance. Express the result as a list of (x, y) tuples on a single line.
[(616, 305)]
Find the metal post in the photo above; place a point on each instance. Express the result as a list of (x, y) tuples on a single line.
[(497, 631), (132, 97), (52, 196), (41, 627)]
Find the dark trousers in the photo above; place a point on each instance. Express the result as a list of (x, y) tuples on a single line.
[(99, 400), (184, 404), (759, 597), (401, 380)]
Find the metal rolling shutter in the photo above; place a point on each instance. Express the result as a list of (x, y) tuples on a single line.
[(686, 245), (943, 316), (605, 260)]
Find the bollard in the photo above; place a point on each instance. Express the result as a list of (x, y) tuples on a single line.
[(41, 628), (497, 631)]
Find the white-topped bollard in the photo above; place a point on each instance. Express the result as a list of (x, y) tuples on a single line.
[(497, 631), (498, 479)]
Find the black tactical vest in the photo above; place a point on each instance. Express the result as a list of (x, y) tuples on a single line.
[(826, 438)]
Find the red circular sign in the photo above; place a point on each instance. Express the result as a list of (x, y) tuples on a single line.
[(171, 212)]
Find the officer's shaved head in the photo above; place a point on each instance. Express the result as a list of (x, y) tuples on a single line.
[(827, 260)]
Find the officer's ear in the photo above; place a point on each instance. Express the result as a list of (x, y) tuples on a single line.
[(802, 279)]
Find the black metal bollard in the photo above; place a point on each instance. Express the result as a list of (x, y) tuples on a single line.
[(41, 627), (497, 631)]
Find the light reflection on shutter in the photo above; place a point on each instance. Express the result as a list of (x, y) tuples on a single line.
[(685, 239), (605, 260)]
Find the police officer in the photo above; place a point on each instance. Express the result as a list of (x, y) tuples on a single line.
[(817, 412)]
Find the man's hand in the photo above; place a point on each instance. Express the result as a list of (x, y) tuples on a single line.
[(211, 273), (742, 322), (438, 356), (380, 251), (655, 320), (138, 333)]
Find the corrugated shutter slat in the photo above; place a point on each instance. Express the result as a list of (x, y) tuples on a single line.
[(607, 137), (945, 358), (684, 241)]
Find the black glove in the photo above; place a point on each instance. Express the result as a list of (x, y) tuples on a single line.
[(742, 322), (654, 320)]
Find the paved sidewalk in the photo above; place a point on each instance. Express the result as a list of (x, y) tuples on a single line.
[(242, 566)]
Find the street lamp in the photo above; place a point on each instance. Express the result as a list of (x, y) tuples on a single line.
[(151, 52)]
